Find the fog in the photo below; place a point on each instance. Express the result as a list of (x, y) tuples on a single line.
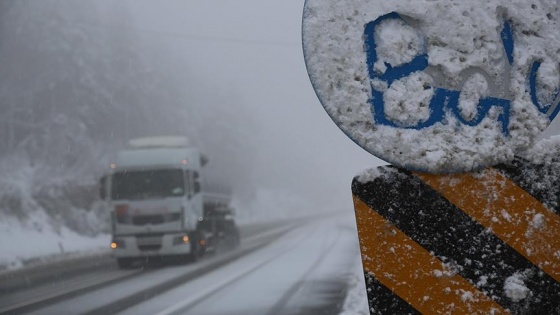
[(78, 79), (254, 49)]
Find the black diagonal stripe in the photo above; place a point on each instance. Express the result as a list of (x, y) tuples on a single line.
[(541, 181), (454, 237), (382, 301)]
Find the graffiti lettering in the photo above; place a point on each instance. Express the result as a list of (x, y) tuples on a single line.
[(446, 101)]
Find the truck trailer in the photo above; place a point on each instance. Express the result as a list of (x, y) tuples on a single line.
[(162, 205)]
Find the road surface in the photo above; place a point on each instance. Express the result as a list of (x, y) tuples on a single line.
[(290, 268)]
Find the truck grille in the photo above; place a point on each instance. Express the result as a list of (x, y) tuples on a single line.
[(149, 247), (149, 219), (149, 242)]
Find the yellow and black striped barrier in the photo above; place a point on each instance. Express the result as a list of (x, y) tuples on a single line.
[(475, 243)]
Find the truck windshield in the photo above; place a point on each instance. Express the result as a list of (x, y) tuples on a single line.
[(147, 184)]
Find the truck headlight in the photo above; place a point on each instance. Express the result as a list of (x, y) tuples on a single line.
[(185, 239), (117, 244)]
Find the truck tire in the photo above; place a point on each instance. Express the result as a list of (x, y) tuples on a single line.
[(195, 253)]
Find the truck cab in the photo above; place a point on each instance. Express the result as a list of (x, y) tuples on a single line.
[(157, 201)]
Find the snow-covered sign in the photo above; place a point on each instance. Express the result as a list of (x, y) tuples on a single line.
[(436, 85), (472, 243)]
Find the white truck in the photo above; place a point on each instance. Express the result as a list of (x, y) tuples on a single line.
[(162, 205)]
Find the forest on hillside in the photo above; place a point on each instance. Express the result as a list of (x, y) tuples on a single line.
[(78, 79)]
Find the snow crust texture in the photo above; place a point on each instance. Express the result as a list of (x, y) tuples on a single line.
[(466, 52)]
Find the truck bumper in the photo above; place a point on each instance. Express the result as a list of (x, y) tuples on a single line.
[(149, 246)]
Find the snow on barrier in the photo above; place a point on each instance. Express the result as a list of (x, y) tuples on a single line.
[(446, 90), (471, 243), (436, 86)]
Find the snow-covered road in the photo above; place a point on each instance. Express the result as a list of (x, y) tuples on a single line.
[(304, 272), (291, 270)]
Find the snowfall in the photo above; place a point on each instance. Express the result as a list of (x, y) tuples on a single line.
[(457, 36)]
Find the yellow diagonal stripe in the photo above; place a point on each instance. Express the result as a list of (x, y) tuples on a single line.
[(508, 211), (412, 273)]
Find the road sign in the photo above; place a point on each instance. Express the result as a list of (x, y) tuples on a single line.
[(434, 86), (470, 243)]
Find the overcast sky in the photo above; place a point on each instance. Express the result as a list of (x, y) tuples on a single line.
[(253, 48)]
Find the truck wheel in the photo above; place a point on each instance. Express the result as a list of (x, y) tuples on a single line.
[(195, 253), (124, 263)]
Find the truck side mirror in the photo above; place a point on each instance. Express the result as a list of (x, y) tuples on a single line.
[(196, 185)]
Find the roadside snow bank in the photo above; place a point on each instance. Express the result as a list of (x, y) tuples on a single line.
[(33, 240), (42, 215), (356, 302)]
